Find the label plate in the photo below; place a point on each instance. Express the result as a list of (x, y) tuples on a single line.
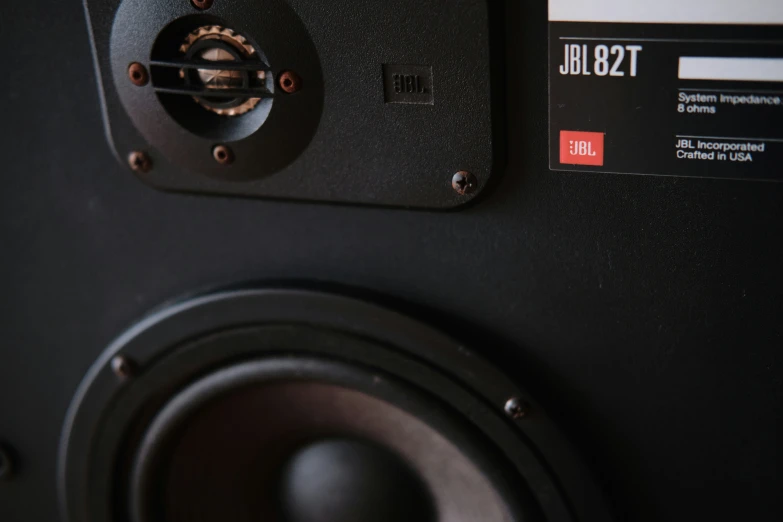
[(651, 88)]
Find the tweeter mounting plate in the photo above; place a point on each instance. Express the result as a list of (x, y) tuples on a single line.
[(373, 103)]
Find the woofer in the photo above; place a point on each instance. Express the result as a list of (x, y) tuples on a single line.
[(289, 406)]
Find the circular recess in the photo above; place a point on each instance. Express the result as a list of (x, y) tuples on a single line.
[(213, 78), (251, 405), (213, 43)]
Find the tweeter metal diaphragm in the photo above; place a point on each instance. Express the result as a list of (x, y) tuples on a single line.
[(290, 406), (221, 45)]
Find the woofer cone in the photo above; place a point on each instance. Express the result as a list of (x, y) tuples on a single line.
[(222, 449)]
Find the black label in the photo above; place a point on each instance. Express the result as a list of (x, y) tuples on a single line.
[(682, 100)]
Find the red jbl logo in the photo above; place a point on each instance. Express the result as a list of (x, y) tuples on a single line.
[(582, 148)]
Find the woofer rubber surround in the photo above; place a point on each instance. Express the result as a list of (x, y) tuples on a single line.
[(315, 340)]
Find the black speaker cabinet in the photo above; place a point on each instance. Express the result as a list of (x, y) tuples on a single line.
[(391, 260)]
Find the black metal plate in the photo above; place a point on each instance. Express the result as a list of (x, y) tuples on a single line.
[(379, 149)]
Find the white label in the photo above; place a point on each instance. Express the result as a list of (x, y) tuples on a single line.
[(731, 69), (668, 11)]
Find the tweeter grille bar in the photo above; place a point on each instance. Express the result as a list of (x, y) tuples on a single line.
[(214, 65), (170, 87)]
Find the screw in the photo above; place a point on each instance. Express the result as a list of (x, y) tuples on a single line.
[(139, 161), (464, 183), (202, 4), (223, 155), (6, 464), (122, 367), (515, 408), (138, 74), (290, 82)]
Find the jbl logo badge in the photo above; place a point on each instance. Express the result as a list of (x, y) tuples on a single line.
[(582, 148), (408, 84)]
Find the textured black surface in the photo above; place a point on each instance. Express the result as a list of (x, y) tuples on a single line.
[(644, 312)]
